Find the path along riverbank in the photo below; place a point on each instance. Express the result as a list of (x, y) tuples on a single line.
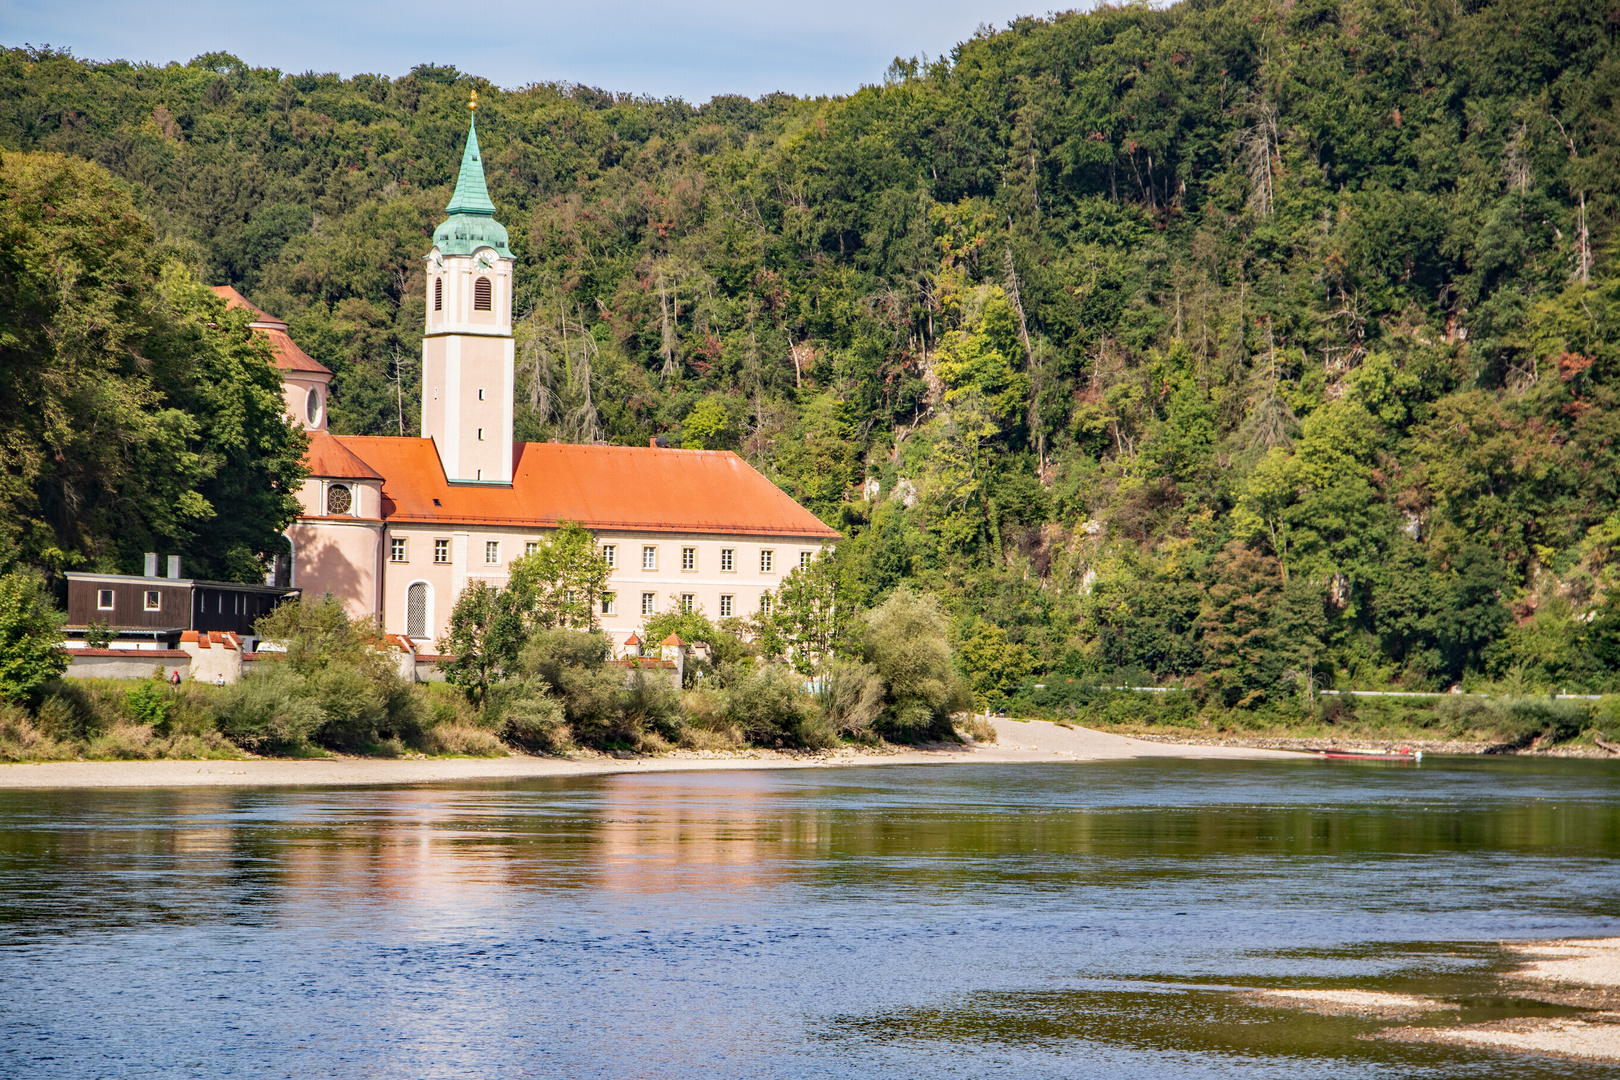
[(1016, 741)]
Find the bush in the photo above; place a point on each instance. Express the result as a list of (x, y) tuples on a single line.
[(602, 707), (908, 643), (769, 704), (148, 702), (30, 636), (345, 667), (850, 695), (534, 720), (22, 740), (125, 742), (465, 740), (270, 709)]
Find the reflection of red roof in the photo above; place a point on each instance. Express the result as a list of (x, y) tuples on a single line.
[(329, 458), (289, 357), (600, 487)]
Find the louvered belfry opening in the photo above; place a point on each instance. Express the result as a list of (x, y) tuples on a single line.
[(482, 294), (438, 294)]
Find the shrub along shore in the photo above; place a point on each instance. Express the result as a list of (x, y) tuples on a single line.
[(1502, 723), (525, 681), (538, 689), (111, 720)]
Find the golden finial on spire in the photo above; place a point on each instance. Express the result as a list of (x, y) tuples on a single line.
[(473, 104)]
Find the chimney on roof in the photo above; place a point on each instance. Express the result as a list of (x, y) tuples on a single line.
[(151, 564), (174, 566)]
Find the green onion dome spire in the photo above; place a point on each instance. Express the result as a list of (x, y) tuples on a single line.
[(472, 223)]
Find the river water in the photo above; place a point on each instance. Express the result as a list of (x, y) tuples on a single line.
[(1075, 920)]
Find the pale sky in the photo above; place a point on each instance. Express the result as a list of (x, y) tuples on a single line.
[(691, 49)]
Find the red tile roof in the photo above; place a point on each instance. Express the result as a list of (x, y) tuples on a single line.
[(328, 457), (234, 300), (289, 357), (600, 487)]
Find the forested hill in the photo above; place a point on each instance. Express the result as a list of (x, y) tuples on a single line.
[(1231, 342)]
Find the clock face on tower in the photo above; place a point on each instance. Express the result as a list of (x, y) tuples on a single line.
[(483, 262)]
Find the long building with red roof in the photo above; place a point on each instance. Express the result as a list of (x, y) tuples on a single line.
[(398, 527)]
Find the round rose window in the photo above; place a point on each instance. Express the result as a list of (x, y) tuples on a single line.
[(312, 407), (338, 499)]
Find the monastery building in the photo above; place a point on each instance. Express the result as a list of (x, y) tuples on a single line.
[(397, 527)]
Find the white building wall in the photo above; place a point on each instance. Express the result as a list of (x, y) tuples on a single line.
[(707, 583)]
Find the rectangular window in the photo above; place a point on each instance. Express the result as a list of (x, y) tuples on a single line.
[(649, 558), (688, 602), (492, 552), (765, 603), (688, 558), (104, 600), (154, 600), (396, 549), (531, 546), (647, 601), (480, 434), (480, 394), (725, 605), (441, 551), (610, 603), (804, 560), (767, 559), (728, 559), (610, 555)]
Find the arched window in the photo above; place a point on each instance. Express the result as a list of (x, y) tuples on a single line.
[(438, 294), (482, 294), (416, 613), (312, 407), (338, 499)]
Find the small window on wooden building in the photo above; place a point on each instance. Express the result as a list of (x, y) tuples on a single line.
[(483, 295), (154, 600)]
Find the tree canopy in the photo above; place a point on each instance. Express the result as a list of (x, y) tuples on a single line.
[(1221, 343)]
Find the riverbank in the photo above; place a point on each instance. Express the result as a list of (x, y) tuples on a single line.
[(1016, 741), (1428, 746)]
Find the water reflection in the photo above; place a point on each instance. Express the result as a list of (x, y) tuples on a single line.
[(861, 923)]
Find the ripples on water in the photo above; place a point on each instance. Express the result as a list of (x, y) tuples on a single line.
[(1028, 921)]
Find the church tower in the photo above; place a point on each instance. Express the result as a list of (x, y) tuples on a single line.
[(467, 350)]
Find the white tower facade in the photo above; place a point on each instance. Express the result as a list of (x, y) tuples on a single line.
[(468, 356)]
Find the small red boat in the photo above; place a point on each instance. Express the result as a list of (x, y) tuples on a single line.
[(1403, 754)]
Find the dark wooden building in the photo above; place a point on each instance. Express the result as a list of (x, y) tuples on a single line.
[(162, 608)]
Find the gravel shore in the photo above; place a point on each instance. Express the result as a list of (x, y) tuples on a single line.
[(1017, 741)]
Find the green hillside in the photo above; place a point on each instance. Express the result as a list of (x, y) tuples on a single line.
[(1232, 344)]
